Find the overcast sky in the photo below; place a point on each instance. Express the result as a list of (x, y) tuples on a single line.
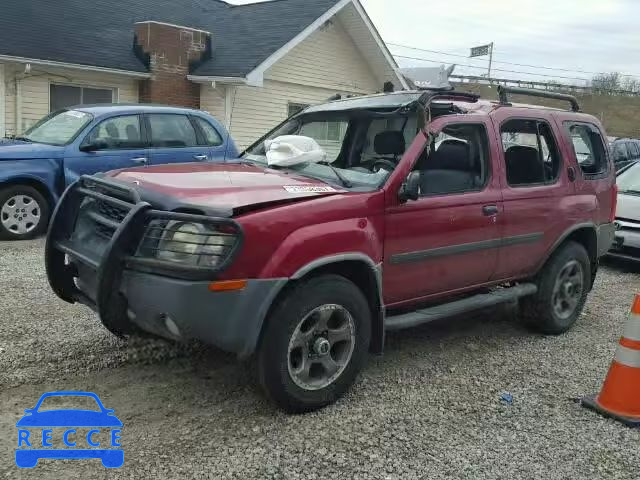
[(581, 36)]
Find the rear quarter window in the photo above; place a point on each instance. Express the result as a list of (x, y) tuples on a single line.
[(589, 148)]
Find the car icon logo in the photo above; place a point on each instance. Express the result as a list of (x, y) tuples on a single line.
[(69, 433), (618, 225)]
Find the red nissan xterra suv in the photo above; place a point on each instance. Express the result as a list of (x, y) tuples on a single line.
[(351, 218)]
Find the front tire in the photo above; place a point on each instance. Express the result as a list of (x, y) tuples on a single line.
[(563, 286), (315, 344), (24, 213)]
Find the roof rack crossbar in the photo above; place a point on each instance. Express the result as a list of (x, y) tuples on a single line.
[(504, 99), (451, 95)]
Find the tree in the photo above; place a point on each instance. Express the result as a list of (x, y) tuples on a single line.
[(630, 84), (606, 83), (614, 82)]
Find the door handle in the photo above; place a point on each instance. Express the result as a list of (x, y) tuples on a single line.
[(490, 210), (140, 160), (200, 158), (571, 173)]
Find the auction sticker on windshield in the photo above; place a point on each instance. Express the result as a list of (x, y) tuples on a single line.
[(309, 189), (91, 431)]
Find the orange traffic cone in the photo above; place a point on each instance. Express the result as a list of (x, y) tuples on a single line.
[(620, 395)]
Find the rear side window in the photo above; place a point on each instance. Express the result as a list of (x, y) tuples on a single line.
[(620, 153), (633, 149), (588, 147), (171, 131), (530, 153), (211, 135)]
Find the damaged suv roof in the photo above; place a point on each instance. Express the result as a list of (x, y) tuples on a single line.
[(402, 99), (377, 101)]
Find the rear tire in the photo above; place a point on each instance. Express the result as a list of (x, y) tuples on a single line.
[(315, 344), (24, 213), (563, 286)]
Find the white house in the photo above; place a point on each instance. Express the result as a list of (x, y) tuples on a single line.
[(251, 65)]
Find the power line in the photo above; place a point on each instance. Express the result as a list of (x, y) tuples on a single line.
[(509, 63), (496, 69)]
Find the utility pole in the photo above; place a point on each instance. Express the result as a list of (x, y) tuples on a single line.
[(490, 60)]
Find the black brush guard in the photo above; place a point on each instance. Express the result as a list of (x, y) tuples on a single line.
[(64, 256)]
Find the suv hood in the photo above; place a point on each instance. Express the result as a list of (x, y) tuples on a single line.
[(230, 186), (18, 150)]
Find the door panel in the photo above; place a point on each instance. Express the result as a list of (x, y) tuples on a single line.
[(443, 243), (120, 143), (173, 139), (536, 213), (212, 138)]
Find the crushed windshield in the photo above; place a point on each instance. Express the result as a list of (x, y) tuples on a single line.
[(58, 128), (361, 150), (629, 180)]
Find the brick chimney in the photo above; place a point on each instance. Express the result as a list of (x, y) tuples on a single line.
[(170, 50)]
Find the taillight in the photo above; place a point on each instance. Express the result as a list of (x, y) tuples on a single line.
[(614, 202)]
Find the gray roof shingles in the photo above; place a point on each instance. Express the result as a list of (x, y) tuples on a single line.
[(100, 33)]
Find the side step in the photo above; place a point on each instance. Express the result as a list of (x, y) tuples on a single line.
[(477, 302)]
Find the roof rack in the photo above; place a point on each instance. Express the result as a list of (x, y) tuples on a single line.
[(451, 95), (504, 99)]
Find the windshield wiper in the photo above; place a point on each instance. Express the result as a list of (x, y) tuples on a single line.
[(345, 183), (21, 138), (631, 191)]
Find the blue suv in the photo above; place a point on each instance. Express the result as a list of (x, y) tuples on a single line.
[(37, 167)]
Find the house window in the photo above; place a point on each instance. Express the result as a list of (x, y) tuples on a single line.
[(65, 96), (294, 108)]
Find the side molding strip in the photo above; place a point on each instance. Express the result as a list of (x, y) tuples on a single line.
[(465, 248)]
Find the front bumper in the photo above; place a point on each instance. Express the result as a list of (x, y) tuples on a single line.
[(179, 309), (626, 244), (174, 301)]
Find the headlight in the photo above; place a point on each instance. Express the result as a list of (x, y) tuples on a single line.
[(180, 242), (193, 244)]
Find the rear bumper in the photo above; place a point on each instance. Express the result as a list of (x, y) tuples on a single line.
[(168, 300)]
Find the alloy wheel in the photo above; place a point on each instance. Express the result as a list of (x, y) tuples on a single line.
[(568, 289), (321, 347)]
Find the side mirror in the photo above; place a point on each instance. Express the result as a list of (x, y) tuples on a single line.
[(410, 189), (94, 146)]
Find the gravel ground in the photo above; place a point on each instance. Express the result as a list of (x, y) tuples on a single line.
[(430, 408)]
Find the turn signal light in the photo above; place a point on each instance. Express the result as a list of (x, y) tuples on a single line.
[(227, 286)]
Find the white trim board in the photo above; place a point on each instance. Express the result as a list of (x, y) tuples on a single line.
[(181, 27), (76, 66), (383, 47), (213, 80)]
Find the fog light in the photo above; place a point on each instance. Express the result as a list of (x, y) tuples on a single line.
[(171, 325)]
